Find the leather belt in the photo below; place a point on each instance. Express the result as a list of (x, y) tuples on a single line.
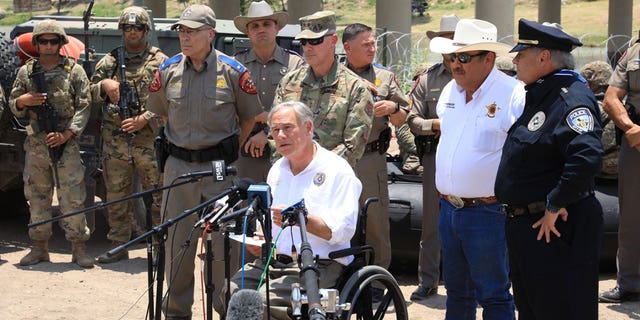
[(535, 208), (459, 202), (285, 259), (201, 155)]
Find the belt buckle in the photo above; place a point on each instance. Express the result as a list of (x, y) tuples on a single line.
[(457, 202)]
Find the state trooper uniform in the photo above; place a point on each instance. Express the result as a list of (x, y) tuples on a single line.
[(371, 169), (266, 76), (548, 163), (202, 125)]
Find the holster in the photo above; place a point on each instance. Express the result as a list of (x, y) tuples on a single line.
[(384, 139), (425, 144), (162, 149)]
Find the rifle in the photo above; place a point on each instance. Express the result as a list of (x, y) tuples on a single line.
[(129, 100), (48, 119), (86, 64)]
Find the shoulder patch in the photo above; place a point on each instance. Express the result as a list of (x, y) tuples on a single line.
[(246, 84), (232, 62), (175, 59), (156, 83), (580, 120)]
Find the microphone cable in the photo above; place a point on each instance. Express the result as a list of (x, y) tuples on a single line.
[(244, 248), (266, 267)]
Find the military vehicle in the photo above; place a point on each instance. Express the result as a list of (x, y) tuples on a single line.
[(102, 37)]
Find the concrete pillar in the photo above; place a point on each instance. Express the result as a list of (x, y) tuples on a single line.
[(549, 11), (501, 13), (158, 7), (301, 8), (395, 17), (225, 9), (620, 28)]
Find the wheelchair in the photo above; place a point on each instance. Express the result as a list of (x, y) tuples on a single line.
[(352, 297)]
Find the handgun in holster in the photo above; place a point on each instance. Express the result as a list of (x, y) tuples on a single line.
[(384, 140), (425, 144), (161, 148)]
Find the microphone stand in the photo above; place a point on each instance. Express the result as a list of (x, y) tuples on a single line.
[(161, 233), (148, 201)]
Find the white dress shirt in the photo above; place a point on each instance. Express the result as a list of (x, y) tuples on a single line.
[(473, 133), (330, 190)]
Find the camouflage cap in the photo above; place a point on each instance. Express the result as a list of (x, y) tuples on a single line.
[(597, 74), (505, 63), (49, 26), (317, 25), (134, 15), (196, 16)]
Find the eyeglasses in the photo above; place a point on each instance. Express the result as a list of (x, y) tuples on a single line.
[(129, 27), (54, 41), (313, 42), (184, 30), (465, 57)]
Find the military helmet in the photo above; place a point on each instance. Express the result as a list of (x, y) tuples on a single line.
[(135, 15), (597, 74), (49, 26), (505, 63)]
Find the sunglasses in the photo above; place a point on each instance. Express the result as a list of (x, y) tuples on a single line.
[(54, 41), (313, 42), (465, 57), (129, 27)]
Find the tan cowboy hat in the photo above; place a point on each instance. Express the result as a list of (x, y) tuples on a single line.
[(470, 35), (260, 11), (447, 26)]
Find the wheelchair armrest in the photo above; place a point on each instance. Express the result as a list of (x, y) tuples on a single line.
[(354, 251)]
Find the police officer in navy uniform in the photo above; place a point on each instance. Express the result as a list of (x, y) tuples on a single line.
[(546, 179)]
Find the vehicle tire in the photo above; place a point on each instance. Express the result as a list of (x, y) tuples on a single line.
[(9, 64), (357, 291)]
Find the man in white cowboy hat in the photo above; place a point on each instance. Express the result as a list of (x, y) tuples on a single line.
[(476, 109), (424, 123), (267, 63)]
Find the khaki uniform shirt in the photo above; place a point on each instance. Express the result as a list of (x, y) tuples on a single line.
[(140, 68), (388, 89), (341, 103), (424, 98), (627, 75), (267, 75), (67, 91), (203, 107)]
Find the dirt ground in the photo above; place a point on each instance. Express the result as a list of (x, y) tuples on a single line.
[(61, 290)]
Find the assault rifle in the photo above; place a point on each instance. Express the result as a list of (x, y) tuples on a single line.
[(88, 52), (48, 120), (129, 100)]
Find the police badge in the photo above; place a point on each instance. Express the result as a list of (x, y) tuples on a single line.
[(318, 180), (580, 120)]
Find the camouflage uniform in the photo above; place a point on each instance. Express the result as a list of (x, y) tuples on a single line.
[(202, 121), (424, 98), (68, 93), (371, 169), (341, 103), (597, 73), (408, 153), (118, 172), (266, 76)]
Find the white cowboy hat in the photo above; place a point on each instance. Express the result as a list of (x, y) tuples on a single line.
[(447, 25), (470, 35), (259, 11)]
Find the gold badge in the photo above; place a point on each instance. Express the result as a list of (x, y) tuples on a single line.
[(537, 121), (377, 82), (221, 83), (318, 180), (492, 109)]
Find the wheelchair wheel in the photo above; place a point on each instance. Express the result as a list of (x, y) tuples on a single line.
[(358, 291)]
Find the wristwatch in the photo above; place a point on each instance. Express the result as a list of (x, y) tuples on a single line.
[(266, 130)]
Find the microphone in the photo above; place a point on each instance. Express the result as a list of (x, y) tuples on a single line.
[(233, 215), (218, 207), (218, 170), (260, 195), (245, 304)]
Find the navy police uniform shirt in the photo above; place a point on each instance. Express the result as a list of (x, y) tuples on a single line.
[(553, 151)]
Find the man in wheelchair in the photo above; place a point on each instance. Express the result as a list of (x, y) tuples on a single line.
[(330, 190)]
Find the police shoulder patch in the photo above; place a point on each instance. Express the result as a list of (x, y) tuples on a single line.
[(175, 59), (246, 84), (580, 120), (156, 83), (232, 62)]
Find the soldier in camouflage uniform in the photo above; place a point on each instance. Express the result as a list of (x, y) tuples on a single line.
[(341, 102), (119, 164), (425, 125), (267, 63), (391, 106), (408, 152), (67, 89), (597, 74)]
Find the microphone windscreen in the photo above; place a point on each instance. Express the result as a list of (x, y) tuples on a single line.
[(245, 304)]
